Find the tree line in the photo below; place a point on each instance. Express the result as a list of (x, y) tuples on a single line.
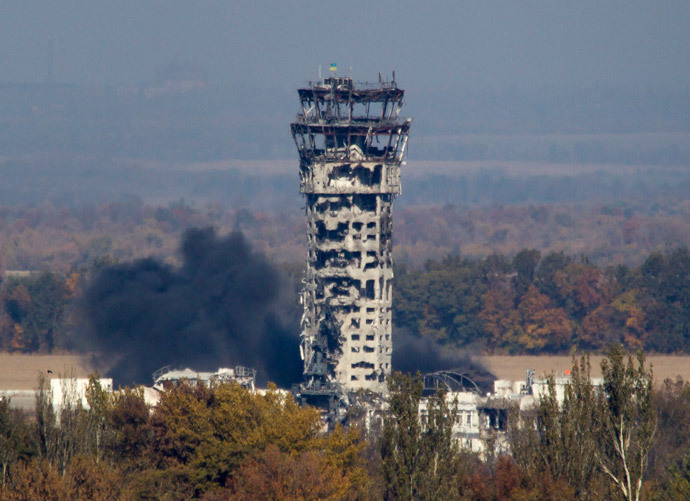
[(620, 440), (551, 303), (528, 304), (434, 219)]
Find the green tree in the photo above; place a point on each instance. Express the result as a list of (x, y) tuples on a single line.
[(401, 442), (441, 456), (98, 429), (666, 280), (628, 420), (45, 426), (561, 440), (443, 301), (419, 460), (8, 445), (525, 264), (669, 459), (544, 276)]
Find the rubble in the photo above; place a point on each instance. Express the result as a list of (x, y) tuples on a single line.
[(166, 377)]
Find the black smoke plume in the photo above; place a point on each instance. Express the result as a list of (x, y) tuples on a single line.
[(412, 354), (225, 306)]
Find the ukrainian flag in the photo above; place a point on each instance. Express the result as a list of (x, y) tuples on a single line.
[(334, 67)]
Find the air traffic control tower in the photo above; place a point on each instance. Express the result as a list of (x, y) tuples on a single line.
[(351, 142)]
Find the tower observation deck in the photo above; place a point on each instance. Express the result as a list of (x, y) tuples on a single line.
[(351, 142)]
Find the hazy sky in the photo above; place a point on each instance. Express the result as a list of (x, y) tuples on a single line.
[(443, 43)]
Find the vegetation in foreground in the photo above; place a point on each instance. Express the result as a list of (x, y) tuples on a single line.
[(623, 441)]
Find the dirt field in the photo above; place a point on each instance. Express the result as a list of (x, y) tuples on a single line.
[(514, 367), (19, 372)]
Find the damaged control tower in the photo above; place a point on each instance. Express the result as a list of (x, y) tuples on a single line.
[(351, 142)]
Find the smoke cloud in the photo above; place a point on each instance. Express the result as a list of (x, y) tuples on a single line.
[(412, 354), (226, 305)]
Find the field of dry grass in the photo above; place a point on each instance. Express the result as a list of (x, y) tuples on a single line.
[(19, 372), (514, 367)]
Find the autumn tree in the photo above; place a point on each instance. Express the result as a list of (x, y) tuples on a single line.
[(202, 435), (35, 305), (274, 475), (578, 286), (36, 479), (334, 470), (534, 325), (131, 434), (541, 326), (498, 314)]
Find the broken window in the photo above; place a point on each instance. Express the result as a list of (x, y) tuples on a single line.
[(363, 365), (338, 234), (366, 203), (319, 143), (336, 258), (336, 140), (369, 291), (360, 175), (372, 260)]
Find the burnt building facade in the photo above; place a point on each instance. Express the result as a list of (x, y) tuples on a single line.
[(351, 142)]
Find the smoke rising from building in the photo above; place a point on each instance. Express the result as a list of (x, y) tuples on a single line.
[(226, 305), (412, 354)]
